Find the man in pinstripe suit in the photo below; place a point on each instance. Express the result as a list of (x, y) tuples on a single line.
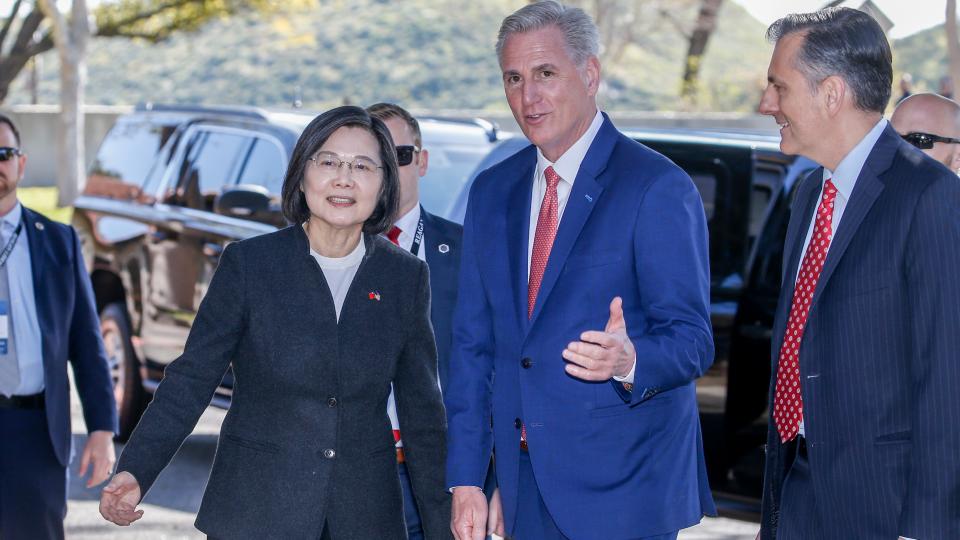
[(865, 421)]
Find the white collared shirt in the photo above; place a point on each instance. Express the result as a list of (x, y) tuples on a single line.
[(23, 307), (567, 166), (408, 230), (844, 178)]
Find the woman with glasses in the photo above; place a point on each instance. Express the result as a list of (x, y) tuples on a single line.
[(316, 320)]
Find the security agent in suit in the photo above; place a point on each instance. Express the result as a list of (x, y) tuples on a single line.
[(317, 320), (582, 318), (436, 241), (47, 319), (865, 422)]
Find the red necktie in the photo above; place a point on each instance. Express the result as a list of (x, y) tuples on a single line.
[(542, 243), (543, 238), (788, 402), (394, 235)]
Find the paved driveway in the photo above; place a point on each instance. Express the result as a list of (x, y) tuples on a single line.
[(171, 505)]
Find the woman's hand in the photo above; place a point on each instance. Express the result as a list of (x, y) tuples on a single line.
[(119, 499)]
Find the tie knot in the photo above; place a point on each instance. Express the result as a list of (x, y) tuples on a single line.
[(553, 179), (829, 191), (394, 235)]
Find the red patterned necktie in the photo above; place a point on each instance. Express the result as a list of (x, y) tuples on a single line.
[(542, 243), (543, 238), (394, 235), (788, 403)]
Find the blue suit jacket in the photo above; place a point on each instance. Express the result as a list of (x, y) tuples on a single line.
[(444, 268), (879, 365), (69, 331), (609, 463)]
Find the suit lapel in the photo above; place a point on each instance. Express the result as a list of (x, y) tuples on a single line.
[(582, 200), (807, 198), (36, 232), (518, 223), (865, 193)]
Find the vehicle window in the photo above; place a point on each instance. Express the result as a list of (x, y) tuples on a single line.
[(707, 186), (449, 169), (128, 151), (212, 161), (265, 166)]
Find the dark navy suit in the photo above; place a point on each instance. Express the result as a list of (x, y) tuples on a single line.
[(608, 463), (879, 362), (35, 444), (444, 269)]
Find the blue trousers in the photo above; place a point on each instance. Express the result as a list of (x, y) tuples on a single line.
[(410, 512), (33, 483), (534, 521)]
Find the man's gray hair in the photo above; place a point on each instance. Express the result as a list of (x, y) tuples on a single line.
[(580, 34)]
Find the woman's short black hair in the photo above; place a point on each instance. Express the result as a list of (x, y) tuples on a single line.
[(294, 203)]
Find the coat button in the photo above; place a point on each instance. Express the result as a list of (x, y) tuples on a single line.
[(517, 423), (329, 453), (526, 363), (331, 402)]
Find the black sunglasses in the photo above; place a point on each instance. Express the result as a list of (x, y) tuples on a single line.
[(925, 141), (405, 154), (7, 152)]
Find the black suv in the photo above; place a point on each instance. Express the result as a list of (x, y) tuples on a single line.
[(746, 184), (170, 187)]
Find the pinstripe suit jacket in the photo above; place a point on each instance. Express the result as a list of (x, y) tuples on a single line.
[(879, 362), (307, 439)]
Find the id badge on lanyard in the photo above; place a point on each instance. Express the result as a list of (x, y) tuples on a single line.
[(4, 327), (5, 304)]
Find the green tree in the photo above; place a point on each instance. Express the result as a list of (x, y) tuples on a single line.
[(27, 31)]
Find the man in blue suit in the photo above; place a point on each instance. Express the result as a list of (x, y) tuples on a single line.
[(582, 319), (47, 317), (437, 242), (865, 420)]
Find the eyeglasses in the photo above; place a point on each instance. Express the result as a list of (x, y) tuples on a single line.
[(925, 141), (329, 165), (405, 154), (7, 153)]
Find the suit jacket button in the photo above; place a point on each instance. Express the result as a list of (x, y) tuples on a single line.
[(332, 402), (526, 363), (517, 423), (329, 453)]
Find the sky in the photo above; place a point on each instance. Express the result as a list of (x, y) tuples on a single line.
[(908, 16)]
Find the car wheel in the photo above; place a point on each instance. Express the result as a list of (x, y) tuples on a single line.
[(124, 367)]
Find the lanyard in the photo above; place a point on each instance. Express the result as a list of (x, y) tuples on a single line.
[(5, 254), (417, 238)]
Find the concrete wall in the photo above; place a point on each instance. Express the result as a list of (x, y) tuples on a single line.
[(38, 127)]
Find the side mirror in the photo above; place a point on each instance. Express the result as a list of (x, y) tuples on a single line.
[(245, 201)]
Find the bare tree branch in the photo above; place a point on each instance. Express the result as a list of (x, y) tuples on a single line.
[(676, 23), (9, 22)]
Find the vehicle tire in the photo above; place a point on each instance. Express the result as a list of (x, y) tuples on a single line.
[(124, 367)]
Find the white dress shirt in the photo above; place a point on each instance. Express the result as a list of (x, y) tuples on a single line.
[(23, 307), (844, 178), (408, 230)]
